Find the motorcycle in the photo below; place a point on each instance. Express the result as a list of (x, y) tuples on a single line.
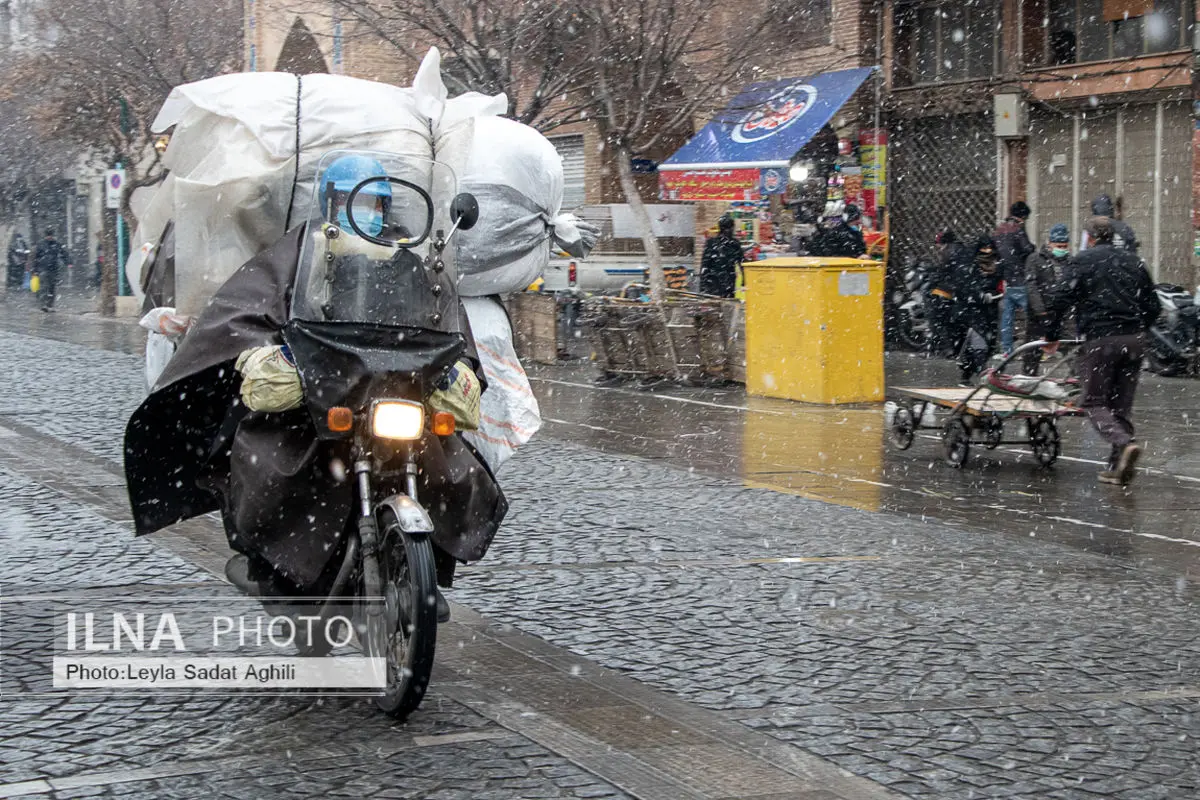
[(1175, 336), (315, 402), (912, 319), (389, 321)]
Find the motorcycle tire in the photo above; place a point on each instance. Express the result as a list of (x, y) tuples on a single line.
[(1166, 366), (909, 334), (408, 627)]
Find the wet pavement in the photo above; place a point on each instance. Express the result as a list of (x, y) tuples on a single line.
[(843, 455), (696, 594)]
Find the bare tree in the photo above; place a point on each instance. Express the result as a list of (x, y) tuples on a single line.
[(656, 66), (523, 48), (103, 69), (31, 160), (106, 68)]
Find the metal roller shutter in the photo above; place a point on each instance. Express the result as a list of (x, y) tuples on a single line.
[(1120, 153), (570, 149), (1175, 242), (943, 175)]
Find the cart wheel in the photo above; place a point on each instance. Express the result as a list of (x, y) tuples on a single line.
[(903, 428), (1045, 441), (993, 433), (957, 440)]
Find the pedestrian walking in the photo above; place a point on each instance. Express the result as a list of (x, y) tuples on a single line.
[(976, 291), (1123, 236), (842, 239), (721, 260), (1116, 304), (1013, 248), (1046, 282), (943, 332), (47, 258), (18, 263)]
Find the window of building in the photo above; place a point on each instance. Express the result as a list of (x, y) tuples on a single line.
[(945, 41), (1099, 30), (570, 149)]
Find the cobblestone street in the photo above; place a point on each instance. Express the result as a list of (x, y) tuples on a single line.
[(642, 627)]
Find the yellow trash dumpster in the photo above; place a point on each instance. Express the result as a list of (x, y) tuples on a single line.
[(814, 329)]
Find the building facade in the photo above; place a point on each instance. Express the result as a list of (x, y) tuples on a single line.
[(1050, 101)]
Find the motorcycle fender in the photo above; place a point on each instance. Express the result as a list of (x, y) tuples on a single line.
[(413, 518)]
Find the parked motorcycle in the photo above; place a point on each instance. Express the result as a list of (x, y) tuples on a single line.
[(1175, 338), (912, 307)]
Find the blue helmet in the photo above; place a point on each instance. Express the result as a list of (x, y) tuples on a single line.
[(346, 172)]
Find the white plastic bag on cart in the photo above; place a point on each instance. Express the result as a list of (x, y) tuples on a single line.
[(508, 411)]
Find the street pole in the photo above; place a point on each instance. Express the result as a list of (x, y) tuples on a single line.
[(121, 290)]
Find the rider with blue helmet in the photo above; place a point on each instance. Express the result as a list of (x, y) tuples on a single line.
[(371, 204)]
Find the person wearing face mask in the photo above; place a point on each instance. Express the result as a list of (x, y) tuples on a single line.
[(1045, 277), (976, 292), (844, 239)]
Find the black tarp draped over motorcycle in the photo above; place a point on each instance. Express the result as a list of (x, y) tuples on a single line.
[(192, 448)]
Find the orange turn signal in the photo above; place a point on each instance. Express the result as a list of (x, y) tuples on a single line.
[(443, 423), (340, 419)]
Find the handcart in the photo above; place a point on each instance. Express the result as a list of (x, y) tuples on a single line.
[(977, 415)]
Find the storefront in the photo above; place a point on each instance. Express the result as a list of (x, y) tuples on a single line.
[(773, 161)]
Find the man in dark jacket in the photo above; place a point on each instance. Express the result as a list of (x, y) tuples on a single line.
[(844, 239), (18, 262), (1123, 237), (943, 332), (721, 261), (1013, 248), (1045, 279), (1116, 304), (46, 260), (976, 290)]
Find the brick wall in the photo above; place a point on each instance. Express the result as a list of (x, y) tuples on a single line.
[(274, 20)]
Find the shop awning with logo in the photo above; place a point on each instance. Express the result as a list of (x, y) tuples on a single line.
[(761, 129)]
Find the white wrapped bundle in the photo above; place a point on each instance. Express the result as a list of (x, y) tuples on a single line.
[(235, 186), (508, 411), (517, 176)]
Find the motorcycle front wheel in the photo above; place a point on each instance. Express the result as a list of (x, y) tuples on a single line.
[(405, 634), (913, 333)]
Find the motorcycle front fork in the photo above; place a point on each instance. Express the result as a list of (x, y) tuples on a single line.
[(368, 527)]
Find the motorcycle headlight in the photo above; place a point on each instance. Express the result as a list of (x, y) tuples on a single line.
[(397, 419)]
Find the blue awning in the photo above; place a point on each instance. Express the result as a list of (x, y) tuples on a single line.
[(768, 122)]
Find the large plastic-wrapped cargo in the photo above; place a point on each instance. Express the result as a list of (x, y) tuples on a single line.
[(243, 158), (242, 166), (244, 150)]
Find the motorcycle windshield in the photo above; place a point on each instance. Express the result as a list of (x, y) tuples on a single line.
[(367, 255)]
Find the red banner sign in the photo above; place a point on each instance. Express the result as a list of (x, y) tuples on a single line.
[(708, 184)]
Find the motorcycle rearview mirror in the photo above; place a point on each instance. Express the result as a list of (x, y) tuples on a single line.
[(464, 211)]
